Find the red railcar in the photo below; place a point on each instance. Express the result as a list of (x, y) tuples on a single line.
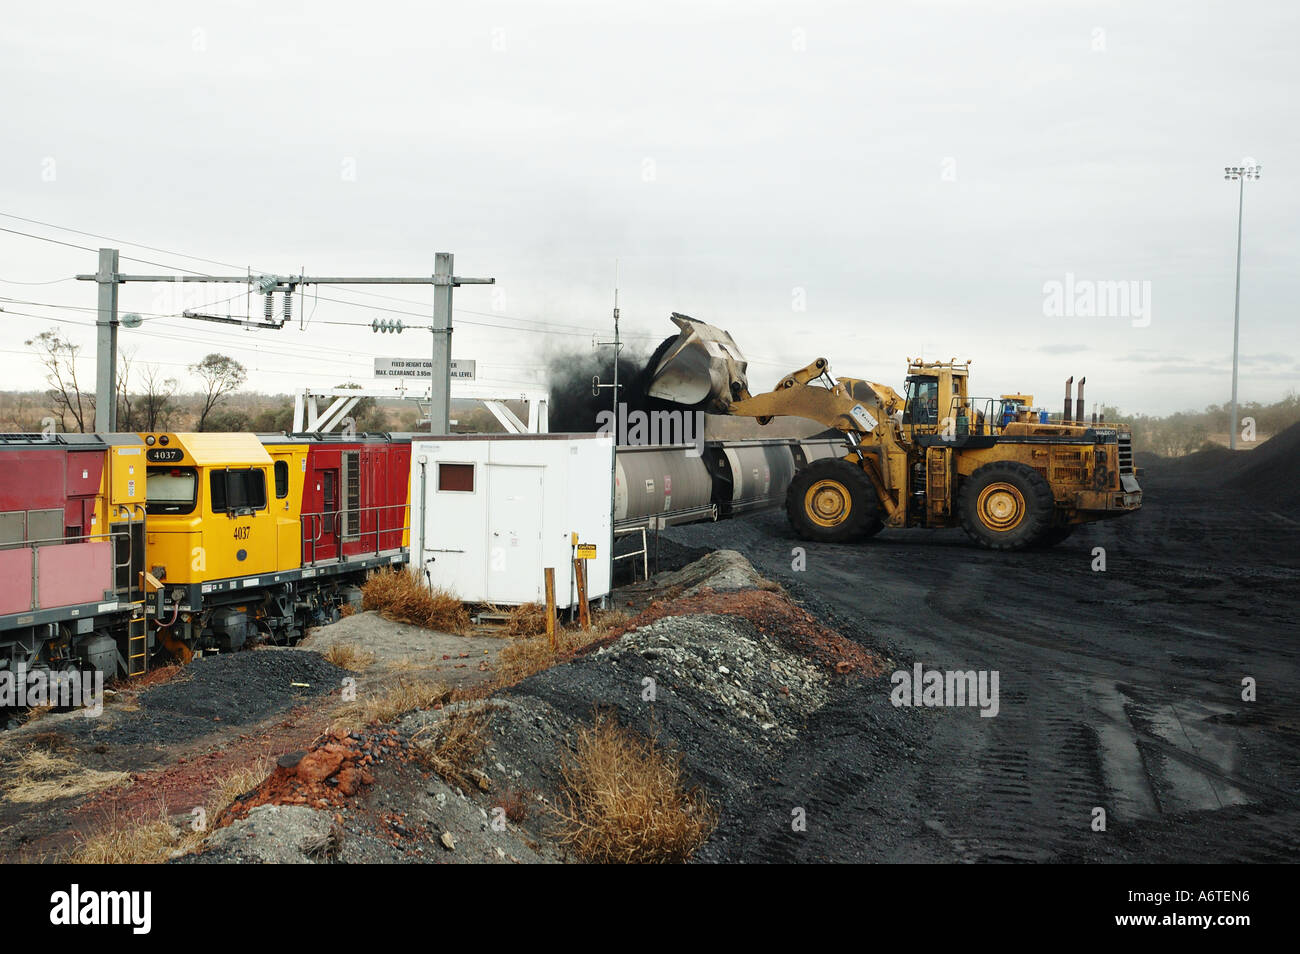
[(354, 496), (71, 548)]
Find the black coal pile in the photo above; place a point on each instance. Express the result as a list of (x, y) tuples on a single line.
[(573, 406), (1267, 477), (1270, 474), (215, 691)]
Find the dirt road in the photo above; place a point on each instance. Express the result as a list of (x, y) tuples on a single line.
[(1119, 689)]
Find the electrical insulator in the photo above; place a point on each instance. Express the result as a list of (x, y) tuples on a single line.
[(288, 305), (270, 305)]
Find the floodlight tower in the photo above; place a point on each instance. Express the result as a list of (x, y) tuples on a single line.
[(1250, 170)]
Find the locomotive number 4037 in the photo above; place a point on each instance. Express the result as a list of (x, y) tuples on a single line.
[(241, 533)]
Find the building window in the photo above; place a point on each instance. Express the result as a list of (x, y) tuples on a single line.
[(458, 478)]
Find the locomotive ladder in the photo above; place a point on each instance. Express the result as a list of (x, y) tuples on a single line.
[(137, 646)]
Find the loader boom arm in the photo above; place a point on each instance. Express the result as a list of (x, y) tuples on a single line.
[(861, 409)]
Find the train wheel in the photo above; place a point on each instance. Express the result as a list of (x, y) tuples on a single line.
[(832, 501), (1006, 505)]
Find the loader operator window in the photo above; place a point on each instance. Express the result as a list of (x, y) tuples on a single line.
[(923, 401), (237, 491), (170, 489)]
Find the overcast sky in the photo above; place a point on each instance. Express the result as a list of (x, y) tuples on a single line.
[(866, 182)]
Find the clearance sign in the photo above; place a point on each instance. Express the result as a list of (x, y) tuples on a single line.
[(421, 368)]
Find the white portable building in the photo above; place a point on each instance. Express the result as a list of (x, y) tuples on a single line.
[(489, 512)]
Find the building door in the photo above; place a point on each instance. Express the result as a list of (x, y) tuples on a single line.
[(514, 544)]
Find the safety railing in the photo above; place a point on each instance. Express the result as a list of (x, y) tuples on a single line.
[(971, 417), (313, 530), (643, 553), (36, 545)]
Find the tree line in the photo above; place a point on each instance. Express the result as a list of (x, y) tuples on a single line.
[(208, 396)]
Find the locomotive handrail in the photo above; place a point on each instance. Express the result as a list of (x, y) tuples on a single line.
[(57, 540), (318, 519)]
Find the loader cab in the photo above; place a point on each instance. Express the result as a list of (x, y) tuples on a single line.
[(937, 401), (922, 408)]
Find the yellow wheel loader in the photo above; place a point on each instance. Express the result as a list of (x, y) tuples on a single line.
[(934, 456)]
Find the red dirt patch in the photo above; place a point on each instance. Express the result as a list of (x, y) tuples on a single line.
[(189, 781), (326, 774), (773, 615)]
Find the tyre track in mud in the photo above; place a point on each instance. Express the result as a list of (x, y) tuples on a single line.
[(1119, 689)]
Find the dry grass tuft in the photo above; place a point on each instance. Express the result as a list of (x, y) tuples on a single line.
[(516, 802), (38, 776), (625, 802), (387, 704), (525, 657), (455, 747), (400, 595), (135, 843), (347, 656), (346, 610), (527, 619), (229, 787), (36, 713), (154, 842)]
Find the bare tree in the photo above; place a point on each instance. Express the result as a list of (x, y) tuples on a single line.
[(221, 375), (59, 356), (125, 401), (156, 399)]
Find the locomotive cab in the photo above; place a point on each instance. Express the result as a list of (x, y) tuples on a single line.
[(208, 500)]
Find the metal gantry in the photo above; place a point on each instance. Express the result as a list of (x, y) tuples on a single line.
[(108, 278)]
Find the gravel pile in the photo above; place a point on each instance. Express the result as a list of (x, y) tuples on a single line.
[(720, 571), (725, 697), (273, 835), (728, 663)]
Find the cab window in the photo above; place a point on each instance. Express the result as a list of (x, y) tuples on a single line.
[(281, 479), (237, 490), (170, 489), (923, 401)]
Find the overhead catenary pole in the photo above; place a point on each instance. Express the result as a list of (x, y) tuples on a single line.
[(440, 369), (106, 343)]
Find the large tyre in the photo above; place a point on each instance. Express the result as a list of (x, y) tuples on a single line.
[(833, 501), (1006, 505)]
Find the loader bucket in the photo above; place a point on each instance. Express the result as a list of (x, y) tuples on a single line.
[(702, 368)]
